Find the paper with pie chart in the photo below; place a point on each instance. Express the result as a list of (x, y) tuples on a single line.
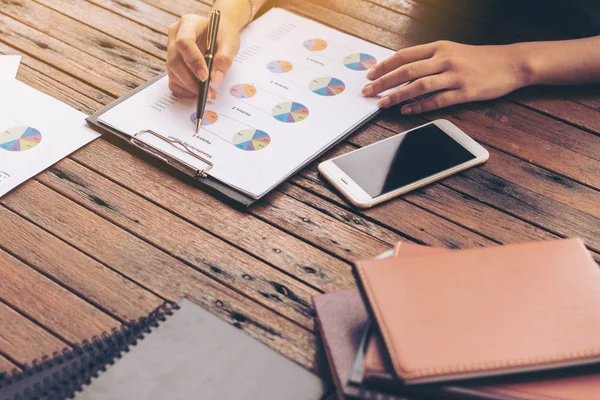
[(294, 90), (36, 131)]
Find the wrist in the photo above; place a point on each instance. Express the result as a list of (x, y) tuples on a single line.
[(236, 13), (522, 64)]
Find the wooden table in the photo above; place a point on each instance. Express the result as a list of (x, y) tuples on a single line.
[(103, 238)]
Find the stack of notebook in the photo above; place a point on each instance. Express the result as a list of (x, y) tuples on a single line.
[(508, 322)]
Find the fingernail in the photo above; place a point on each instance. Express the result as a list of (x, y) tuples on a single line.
[(406, 110), (384, 103), (367, 90), (202, 74), (217, 76), (371, 73)]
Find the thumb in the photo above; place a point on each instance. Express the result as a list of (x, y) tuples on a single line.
[(227, 48)]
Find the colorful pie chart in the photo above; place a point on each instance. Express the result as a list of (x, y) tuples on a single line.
[(20, 138), (290, 112), (209, 118), (315, 44), (280, 66), (360, 61), (251, 139), (327, 86), (242, 91)]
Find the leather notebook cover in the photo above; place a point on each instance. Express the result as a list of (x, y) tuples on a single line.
[(485, 312), (194, 354), (377, 363), (341, 319)]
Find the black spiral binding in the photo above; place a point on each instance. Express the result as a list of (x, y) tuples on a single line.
[(59, 377)]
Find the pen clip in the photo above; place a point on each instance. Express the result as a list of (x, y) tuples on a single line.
[(213, 27), (169, 159)]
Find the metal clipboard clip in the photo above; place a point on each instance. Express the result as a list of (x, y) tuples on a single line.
[(169, 159)]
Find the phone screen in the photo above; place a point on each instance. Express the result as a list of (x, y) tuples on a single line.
[(402, 160)]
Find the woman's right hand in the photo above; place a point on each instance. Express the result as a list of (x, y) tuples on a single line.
[(185, 54)]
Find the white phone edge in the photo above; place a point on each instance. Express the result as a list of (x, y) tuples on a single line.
[(359, 198)]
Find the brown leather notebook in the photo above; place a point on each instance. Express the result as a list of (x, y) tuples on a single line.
[(377, 363), (486, 312)]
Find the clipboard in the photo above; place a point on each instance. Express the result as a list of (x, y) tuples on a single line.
[(191, 175)]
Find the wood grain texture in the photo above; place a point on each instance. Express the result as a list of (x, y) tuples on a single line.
[(22, 340), (170, 280), (177, 238), (51, 305), (114, 52), (80, 273), (99, 74), (308, 264), (6, 366), (120, 20), (325, 232), (40, 71)]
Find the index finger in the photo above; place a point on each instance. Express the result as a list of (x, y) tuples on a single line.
[(185, 42), (402, 57)]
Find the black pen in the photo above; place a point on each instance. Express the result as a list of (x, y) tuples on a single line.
[(211, 44)]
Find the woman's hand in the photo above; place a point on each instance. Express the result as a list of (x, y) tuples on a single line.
[(185, 54), (458, 73)]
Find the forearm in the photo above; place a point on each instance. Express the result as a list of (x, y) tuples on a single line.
[(237, 11), (567, 62)]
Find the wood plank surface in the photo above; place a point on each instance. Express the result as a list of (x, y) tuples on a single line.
[(6, 366), (104, 236), (50, 304), (24, 341)]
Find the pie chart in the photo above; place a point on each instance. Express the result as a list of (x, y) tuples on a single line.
[(20, 138), (242, 91), (327, 86), (280, 66), (251, 139), (315, 44), (290, 112), (209, 118), (360, 61)]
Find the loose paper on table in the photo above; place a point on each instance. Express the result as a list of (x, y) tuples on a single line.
[(36, 130)]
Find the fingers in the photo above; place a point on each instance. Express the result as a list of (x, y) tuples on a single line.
[(179, 72), (444, 99), (418, 88), (227, 47), (213, 94), (178, 89), (403, 74), (181, 90), (185, 42), (402, 57)]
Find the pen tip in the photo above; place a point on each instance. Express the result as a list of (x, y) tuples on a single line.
[(197, 124)]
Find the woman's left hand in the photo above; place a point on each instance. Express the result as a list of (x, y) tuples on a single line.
[(458, 73)]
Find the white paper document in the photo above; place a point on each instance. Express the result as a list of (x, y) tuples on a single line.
[(36, 131), (9, 66), (293, 90)]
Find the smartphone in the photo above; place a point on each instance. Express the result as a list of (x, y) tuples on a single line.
[(401, 163)]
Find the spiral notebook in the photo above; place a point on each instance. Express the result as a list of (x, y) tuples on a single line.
[(178, 352)]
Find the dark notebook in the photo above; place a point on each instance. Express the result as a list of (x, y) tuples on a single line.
[(342, 319), (59, 376), (187, 354)]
